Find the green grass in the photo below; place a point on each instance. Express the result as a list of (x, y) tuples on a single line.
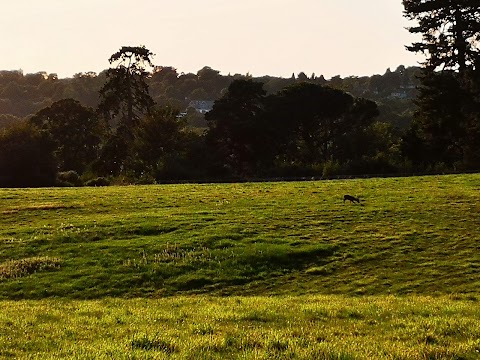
[(243, 271), (412, 236), (197, 327)]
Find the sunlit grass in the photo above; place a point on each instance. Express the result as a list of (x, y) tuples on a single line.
[(300, 327), (412, 236), (243, 271)]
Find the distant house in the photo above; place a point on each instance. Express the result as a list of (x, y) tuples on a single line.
[(399, 95), (201, 106)]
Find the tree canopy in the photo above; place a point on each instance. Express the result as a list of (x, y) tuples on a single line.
[(74, 130), (447, 121), (125, 93), (450, 32)]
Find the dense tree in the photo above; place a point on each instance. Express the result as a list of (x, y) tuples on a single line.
[(159, 142), (26, 157), (235, 129), (207, 74), (450, 32), (302, 77), (301, 126), (440, 121), (447, 120), (74, 130), (312, 118), (7, 120), (165, 74), (263, 142)]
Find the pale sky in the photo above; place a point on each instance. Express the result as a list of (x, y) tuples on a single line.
[(261, 37)]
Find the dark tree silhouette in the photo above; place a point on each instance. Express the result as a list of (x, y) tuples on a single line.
[(26, 157), (450, 32), (235, 129), (74, 130), (125, 98), (125, 93), (159, 141), (447, 120), (312, 118)]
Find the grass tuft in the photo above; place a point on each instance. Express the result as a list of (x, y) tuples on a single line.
[(18, 268), (154, 343)]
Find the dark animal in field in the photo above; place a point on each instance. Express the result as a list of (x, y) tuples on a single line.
[(351, 198)]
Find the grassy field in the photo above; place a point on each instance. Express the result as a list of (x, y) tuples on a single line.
[(307, 275), (198, 327)]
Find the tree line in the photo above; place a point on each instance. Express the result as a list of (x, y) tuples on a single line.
[(22, 95), (132, 129)]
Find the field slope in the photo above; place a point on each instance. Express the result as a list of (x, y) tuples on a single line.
[(416, 235), (142, 272)]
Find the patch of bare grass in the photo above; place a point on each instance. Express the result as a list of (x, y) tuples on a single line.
[(23, 267), (48, 206)]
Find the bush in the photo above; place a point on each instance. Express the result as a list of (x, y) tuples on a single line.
[(331, 168), (99, 181), (69, 178)]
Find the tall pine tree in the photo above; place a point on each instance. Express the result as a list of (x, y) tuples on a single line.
[(124, 99), (447, 119)]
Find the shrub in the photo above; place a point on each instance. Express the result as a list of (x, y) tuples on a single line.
[(331, 168), (69, 178), (99, 181)]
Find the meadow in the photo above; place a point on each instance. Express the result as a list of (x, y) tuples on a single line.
[(281, 270)]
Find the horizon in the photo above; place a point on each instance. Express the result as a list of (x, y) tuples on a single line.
[(275, 38), (222, 74)]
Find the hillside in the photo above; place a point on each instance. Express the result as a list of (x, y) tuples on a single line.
[(22, 95), (414, 235)]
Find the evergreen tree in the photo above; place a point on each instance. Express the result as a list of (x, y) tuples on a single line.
[(447, 119), (450, 32), (125, 94), (125, 98)]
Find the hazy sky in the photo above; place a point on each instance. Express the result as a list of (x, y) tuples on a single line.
[(262, 37)]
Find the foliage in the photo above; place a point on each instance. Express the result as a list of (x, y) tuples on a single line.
[(125, 98), (158, 138), (303, 125), (325, 123), (450, 32), (236, 126), (26, 157), (7, 120), (69, 178), (125, 92), (238, 152), (441, 122), (36, 91), (280, 149), (99, 181), (446, 124), (74, 130)]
